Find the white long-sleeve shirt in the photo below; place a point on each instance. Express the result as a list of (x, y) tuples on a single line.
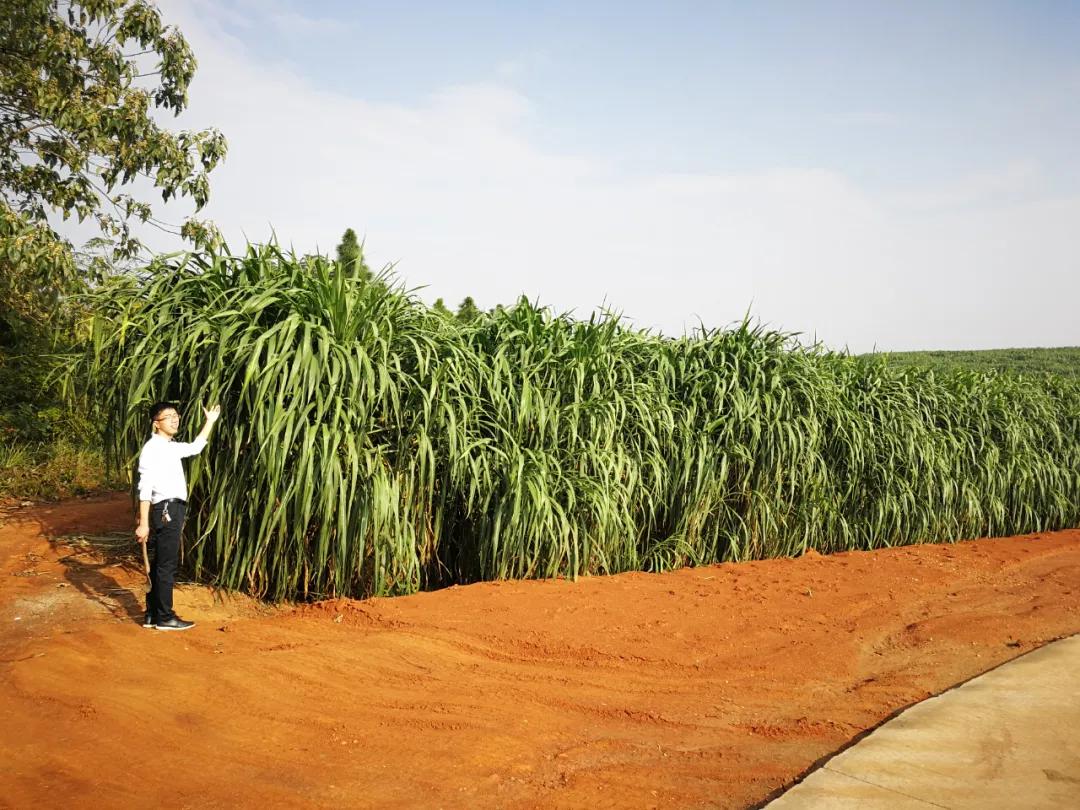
[(161, 475)]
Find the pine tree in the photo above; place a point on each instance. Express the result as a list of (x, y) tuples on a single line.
[(350, 254), (468, 311)]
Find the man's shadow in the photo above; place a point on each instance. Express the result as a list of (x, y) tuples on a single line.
[(87, 560)]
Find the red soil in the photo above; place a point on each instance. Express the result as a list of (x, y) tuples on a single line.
[(709, 687)]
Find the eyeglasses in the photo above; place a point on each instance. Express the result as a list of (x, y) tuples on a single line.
[(168, 416)]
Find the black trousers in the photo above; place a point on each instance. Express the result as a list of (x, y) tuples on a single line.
[(164, 547)]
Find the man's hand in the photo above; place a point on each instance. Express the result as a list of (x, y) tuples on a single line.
[(142, 532), (212, 413)]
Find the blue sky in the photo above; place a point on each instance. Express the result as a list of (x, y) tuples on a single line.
[(899, 175), (892, 92)]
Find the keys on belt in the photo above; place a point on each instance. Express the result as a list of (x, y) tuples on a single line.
[(165, 516)]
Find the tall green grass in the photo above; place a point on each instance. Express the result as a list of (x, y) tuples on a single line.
[(1064, 361), (371, 446)]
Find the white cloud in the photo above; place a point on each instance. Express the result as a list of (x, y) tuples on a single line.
[(456, 193)]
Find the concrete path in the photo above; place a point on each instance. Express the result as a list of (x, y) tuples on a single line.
[(1007, 739)]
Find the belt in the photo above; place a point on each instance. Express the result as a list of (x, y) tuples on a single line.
[(168, 501)]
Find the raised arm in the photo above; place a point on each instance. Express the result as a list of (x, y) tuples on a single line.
[(212, 414), (184, 449)]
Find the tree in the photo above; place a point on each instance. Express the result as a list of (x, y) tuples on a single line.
[(350, 253), (468, 311), (78, 85), (36, 270), (440, 307)]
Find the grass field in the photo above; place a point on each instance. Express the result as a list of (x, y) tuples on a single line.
[(393, 449), (1064, 361)]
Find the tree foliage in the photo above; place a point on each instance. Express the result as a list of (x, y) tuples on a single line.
[(83, 86), (78, 89), (350, 255), (468, 311), (36, 271), (38, 318)]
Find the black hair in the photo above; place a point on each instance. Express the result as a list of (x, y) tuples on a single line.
[(158, 407)]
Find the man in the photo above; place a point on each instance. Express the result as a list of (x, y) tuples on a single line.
[(163, 505)]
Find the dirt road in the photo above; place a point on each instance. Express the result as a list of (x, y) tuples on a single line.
[(711, 687)]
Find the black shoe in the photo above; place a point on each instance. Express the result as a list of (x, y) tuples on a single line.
[(175, 623), (149, 620)]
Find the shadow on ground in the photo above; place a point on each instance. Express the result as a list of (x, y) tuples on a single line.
[(88, 562)]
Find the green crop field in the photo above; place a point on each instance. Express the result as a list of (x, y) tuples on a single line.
[(371, 445), (1063, 361)]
